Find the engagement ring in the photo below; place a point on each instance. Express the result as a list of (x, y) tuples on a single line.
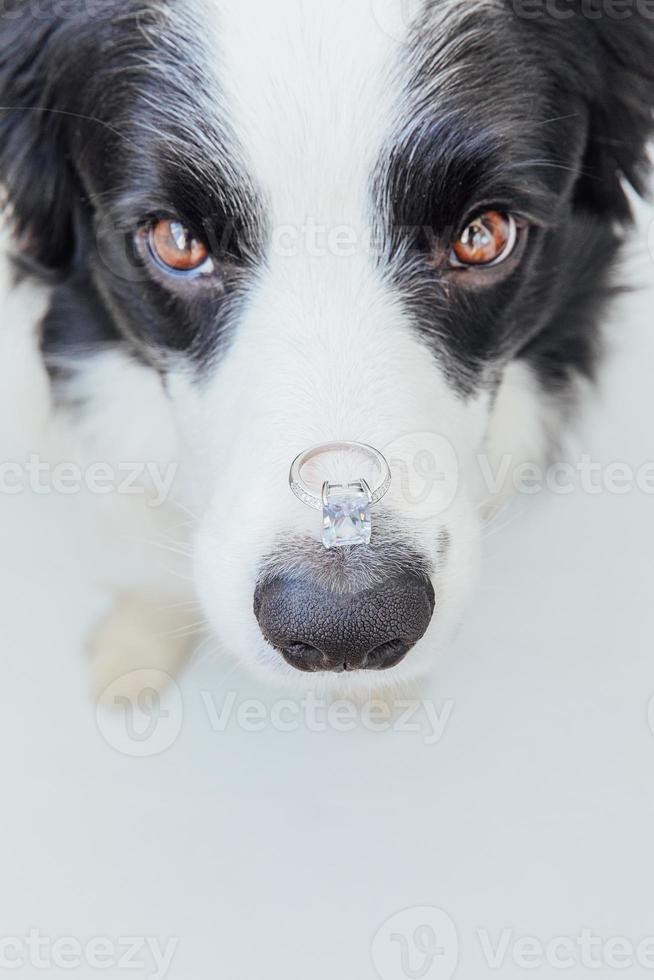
[(345, 506)]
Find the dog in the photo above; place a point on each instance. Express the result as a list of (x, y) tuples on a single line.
[(258, 227)]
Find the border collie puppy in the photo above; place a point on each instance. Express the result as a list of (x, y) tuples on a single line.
[(261, 226)]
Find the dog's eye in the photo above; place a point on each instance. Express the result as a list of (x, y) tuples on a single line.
[(488, 240), (176, 249)]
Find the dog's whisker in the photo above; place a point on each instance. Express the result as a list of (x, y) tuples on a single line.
[(188, 579), (195, 518), (163, 546), (189, 605)]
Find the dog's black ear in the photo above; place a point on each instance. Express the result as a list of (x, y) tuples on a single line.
[(36, 179), (619, 41)]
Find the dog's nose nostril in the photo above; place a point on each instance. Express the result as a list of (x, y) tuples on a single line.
[(387, 655), (304, 657), (316, 629)]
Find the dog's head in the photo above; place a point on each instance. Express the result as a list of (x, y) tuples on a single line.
[(319, 222)]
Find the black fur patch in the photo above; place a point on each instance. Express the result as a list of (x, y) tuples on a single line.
[(105, 124), (540, 116)]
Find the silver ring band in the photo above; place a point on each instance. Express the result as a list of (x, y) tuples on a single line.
[(311, 499)]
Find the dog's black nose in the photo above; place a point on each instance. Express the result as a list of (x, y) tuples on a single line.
[(317, 629)]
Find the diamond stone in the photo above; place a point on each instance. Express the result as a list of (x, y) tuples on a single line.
[(346, 516)]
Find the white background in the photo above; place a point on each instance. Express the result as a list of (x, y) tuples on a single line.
[(279, 855)]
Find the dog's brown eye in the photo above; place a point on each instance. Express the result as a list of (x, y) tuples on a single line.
[(487, 240), (176, 248)]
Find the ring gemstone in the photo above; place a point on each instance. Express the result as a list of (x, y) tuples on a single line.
[(346, 515)]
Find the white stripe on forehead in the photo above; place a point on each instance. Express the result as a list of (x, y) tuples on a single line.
[(310, 88)]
